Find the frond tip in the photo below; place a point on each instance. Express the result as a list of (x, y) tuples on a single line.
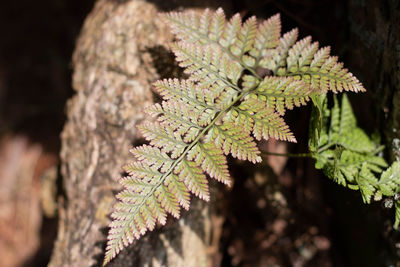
[(221, 109)]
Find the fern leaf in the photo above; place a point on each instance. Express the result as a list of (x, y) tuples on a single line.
[(178, 189), (344, 131), (246, 37), (315, 67), (230, 34), (278, 58), (267, 37), (207, 63), (265, 123), (193, 178), (164, 137), (133, 216), (295, 53), (347, 118), (233, 141), (212, 161), (283, 93), (167, 200), (153, 156), (140, 176), (217, 25), (181, 118), (389, 182), (366, 181), (183, 91)]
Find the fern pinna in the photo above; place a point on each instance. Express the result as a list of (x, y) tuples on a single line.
[(223, 106)]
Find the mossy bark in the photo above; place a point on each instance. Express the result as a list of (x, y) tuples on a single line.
[(120, 52)]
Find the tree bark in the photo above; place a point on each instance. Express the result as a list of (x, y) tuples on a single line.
[(374, 29), (375, 51), (120, 52)]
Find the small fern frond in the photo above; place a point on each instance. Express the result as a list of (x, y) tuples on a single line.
[(207, 63), (178, 189), (277, 59), (283, 93), (267, 38), (389, 183), (212, 161), (347, 154), (264, 122), (153, 156), (162, 136), (245, 41), (232, 140), (192, 176), (366, 182), (314, 66)]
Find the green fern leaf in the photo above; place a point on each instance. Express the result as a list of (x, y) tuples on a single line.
[(366, 182), (229, 36), (389, 182), (245, 41), (207, 63), (347, 155)]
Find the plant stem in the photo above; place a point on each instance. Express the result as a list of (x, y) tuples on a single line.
[(289, 155)]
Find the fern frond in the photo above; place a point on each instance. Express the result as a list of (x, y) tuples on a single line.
[(283, 93), (181, 118), (245, 41), (178, 189), (153, 156), (183, 91), (207, 63), (347, 155), (277, 59), (221, 109), (232, 140), (192, 176), (263, 121), (212, 161), (162, 136), (315, 67), (366, 182), (133, 216), (267, 38), (389, 182)]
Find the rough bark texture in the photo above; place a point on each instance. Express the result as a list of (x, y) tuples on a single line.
[(120, 52)]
